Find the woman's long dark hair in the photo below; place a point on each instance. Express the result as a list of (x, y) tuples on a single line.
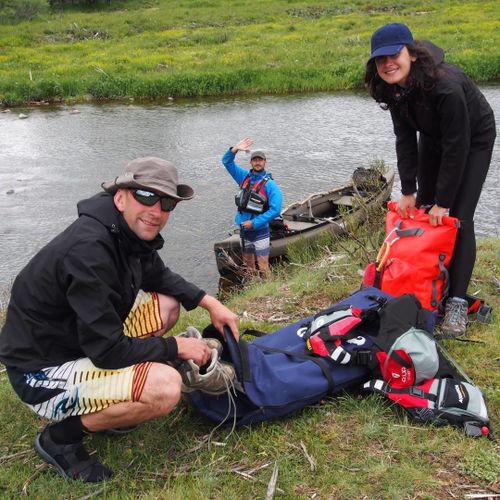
[(423, 75)]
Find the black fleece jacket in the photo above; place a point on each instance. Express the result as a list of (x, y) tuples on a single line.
[(454, 114), (72, 298)]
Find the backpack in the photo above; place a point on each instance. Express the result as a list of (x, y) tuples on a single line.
[(276, 374), (414, 257), (407, 365), (449, 398), (440, 401)]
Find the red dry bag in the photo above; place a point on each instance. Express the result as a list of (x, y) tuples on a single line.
[(414, 257)]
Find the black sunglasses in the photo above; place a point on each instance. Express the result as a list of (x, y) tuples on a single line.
[(148, 198)]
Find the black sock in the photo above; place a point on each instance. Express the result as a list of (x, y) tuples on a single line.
[(69, 430)]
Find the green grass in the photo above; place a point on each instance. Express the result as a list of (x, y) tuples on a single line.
[(157, 49), (362, 446)]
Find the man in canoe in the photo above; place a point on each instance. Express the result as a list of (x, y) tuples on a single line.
[(259, 201), (83, 339)]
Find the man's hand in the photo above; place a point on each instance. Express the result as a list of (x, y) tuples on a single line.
[(247, 224), (195, 349), (406, 206), (243, 145), (220, 315)]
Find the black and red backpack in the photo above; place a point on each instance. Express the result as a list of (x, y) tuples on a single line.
[(406, 363)]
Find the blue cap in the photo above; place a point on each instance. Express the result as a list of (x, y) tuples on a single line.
[(390, 39)]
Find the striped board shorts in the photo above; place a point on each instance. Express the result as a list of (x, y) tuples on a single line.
[(256, 242), (79, 387)]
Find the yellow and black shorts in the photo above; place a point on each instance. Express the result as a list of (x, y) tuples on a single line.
[(78, 387)]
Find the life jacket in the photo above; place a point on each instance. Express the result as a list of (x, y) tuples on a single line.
[(252, 198), (401, 351), (414, 257)]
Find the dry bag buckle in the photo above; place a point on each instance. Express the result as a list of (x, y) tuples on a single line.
[(363, 357), (417, 392)]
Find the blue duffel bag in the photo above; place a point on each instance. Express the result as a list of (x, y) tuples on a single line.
[(276, 374)]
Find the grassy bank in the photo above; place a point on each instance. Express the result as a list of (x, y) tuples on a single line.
[(348, 447), (163, 48)]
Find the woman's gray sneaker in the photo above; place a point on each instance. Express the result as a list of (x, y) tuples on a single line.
[(455, 321)]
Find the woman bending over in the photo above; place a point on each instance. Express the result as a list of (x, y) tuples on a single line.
[(445, 131)]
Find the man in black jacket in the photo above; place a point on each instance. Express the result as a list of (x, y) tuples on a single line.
[(83, 339)]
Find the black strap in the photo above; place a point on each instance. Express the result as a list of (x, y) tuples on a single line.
[(413, 231), (386, 389), (412, 391), (254, 333), (445, 276), (400, 360)]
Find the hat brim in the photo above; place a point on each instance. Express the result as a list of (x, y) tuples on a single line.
[(387, 50), (184, 192)]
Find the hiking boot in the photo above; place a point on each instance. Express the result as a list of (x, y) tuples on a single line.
[(192, 332), (214, 379), (454, 323), (71, 460)]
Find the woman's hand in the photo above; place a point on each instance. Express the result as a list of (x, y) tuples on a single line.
[(436, 214), (406, 206)]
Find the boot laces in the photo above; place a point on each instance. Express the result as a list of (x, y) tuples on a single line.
[(231, 405), (456, 312)]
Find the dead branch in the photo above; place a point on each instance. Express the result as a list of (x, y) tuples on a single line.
[(310, 458), (8, 458), (38, 470), (271, 487)]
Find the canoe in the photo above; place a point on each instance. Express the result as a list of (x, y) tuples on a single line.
[(309, 218)]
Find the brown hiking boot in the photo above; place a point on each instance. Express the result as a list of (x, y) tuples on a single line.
[(454, 323)]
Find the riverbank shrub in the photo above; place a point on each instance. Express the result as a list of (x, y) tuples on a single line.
[(160, 48), (18, 10)]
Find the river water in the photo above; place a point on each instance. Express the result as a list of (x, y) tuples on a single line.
[(58, 156)]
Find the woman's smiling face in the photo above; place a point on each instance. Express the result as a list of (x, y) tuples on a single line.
[(395, 69)]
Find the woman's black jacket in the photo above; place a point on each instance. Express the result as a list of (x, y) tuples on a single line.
[(454, 115)]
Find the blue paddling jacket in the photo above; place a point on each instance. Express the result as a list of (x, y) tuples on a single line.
[(273, 193)]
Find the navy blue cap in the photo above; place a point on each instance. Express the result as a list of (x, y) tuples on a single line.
[(390, 39)]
